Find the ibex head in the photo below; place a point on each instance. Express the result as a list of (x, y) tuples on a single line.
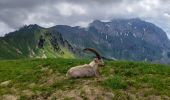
[(98, 60)]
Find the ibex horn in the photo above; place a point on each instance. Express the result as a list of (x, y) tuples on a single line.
[(94, 51)]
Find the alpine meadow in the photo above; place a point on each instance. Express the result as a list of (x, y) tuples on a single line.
[(84, 50)]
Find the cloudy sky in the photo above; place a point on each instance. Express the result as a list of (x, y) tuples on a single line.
[(46, 13)]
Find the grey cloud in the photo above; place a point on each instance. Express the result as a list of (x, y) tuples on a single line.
[(21, 3), (16, 13)]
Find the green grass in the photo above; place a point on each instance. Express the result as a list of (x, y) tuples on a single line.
[(116, 82), (45, 77)]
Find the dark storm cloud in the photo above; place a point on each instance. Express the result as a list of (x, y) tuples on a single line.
[(16, 13)]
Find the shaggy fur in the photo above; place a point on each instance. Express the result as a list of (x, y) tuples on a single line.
[(86, 70)]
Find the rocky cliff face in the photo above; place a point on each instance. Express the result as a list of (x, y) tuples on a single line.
[(131, 39)]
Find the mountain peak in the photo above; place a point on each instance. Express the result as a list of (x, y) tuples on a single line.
[(95, 22), (31, 26), (120, 19)]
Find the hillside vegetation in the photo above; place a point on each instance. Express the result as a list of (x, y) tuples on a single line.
[(34, 41), (44, 79)]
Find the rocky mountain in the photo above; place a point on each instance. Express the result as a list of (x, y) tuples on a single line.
[(122, 39), (125, 39), (34, 41)]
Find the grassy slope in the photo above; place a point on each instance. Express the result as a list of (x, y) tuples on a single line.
[(26, 40), (45, 79), (21, 40)]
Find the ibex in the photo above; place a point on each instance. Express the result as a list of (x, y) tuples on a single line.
[(87, 70)]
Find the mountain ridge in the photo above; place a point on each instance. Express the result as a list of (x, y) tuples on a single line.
[(34, 41), (123, 39)]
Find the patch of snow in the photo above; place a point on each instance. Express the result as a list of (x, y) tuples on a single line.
[(126, 34), (117, 34), (144, 29), (106, 37), (107, 25), (134, 35), (129, 23)]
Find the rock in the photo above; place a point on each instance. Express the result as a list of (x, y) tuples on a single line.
[(5, 83), (32, 85), (132, 96), (165, 97), (153, 97), (44, 69), (109, 96), (50, 71), (9, 97), (28, 93)]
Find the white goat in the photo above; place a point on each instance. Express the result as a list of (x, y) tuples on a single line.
[(87, 70)]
